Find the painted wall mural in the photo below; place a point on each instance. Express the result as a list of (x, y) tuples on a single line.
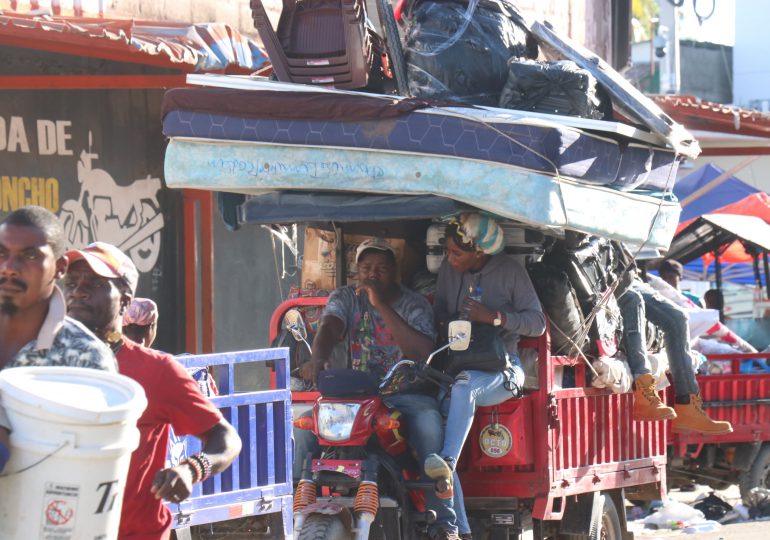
[(127, 216), (95, 159)]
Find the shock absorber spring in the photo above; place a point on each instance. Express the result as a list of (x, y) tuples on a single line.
[(305, 494), (367, 498)]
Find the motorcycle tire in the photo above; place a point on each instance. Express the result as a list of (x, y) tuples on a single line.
[(323, 527)]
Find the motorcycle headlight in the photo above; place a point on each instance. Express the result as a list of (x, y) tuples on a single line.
[(335, 420)]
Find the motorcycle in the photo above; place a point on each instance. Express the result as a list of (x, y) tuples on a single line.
[(365, 484)]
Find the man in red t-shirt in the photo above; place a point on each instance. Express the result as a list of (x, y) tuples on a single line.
[(99, 285)]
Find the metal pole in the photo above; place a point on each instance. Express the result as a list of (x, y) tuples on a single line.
[(718, 273), (341, 277), (767, 273), (755, 263)]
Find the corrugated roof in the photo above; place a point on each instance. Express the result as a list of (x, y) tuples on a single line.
[(708, 116), (206, 47)]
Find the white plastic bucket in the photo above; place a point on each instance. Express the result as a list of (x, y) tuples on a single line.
[(73, 431)]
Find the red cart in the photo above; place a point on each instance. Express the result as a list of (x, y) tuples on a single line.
[(567, 459), (743, 456)]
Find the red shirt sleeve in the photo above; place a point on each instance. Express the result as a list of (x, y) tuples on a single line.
[(187, 410)]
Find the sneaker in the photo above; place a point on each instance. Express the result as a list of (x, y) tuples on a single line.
[(439, 470), (692, 417), (647, 403)]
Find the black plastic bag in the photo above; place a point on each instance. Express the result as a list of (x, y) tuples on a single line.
[(551, 87), (713, 507), (591, 264), (562, 307), (474, 68)]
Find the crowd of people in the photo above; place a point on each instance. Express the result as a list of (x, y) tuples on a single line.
[(95, 321)]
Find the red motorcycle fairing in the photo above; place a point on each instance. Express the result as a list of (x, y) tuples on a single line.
[(373, 417)]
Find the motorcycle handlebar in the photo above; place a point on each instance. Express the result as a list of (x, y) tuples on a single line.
[(421, 371)]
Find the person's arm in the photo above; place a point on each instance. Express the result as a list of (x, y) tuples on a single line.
[(221, 445), (330, 332), (413, 343), (522, 314)]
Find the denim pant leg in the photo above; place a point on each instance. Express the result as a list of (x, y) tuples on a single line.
[(632, 310), (304, 441), (676, 334), (483, 389), (472, 389), (463, 526), (425, 433)]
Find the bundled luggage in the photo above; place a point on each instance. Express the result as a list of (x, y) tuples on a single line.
[(553, 88), (561, 304), (459, 54), (593, 265)]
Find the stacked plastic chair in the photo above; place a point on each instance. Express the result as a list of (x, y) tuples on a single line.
[(323, 42)]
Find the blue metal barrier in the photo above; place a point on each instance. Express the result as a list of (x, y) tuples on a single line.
[(259, 481)]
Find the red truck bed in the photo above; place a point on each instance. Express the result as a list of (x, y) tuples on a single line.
[(565, 442), (743, 399)]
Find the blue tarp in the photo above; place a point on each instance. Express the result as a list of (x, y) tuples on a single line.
[(730, 191), (298, 206)]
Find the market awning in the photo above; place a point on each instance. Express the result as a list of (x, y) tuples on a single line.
[(206, 47), (729, 191), (713, 231)]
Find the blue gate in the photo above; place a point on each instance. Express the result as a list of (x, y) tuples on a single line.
[(259, 481)]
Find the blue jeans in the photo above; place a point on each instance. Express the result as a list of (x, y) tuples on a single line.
[(473, 389), (639, 302), (425, 431)]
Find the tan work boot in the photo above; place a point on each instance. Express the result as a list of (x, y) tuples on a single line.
[(647, 403), (691, 417)]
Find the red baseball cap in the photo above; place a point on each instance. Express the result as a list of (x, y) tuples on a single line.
[(107, 261)]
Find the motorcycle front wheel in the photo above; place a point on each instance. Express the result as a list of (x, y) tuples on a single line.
[(323, 527)]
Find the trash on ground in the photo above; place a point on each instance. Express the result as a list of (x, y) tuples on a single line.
[(712, 506), (674, 515), (758, 502)]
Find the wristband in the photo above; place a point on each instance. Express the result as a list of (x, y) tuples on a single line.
[(5, 454), (202, 463), (196, 469), (205, 463)]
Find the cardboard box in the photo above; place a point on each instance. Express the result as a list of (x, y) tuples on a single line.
[(319, 261)]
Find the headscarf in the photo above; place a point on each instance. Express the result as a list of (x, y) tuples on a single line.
[(482, 232), (141, 312)]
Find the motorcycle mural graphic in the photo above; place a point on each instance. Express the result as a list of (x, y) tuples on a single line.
[(127, 216)]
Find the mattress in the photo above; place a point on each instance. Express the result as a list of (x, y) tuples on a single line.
[(497, 136), (513, 192)]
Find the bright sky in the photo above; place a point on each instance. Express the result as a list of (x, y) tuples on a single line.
[(720, 28)]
